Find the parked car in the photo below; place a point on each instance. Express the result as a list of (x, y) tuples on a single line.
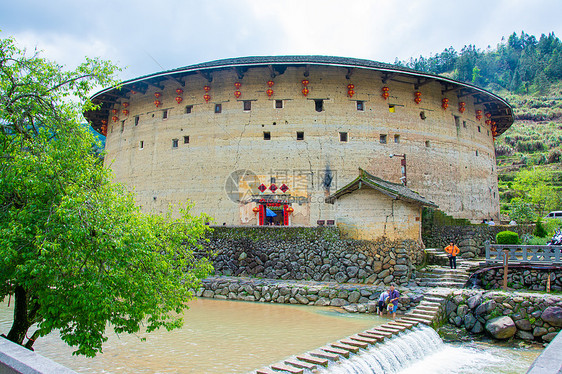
[(555, 214)]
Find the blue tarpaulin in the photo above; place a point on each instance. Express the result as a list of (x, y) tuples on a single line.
[(270, 213)]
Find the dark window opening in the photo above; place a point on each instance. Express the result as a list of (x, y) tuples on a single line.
[(476, 152), (247, 105), (300, 135), (188, 109), (218, 108), (174, 143), (488, 132), (266, 135), (478, 128), (361, 105), (343, 137), (272, 180), (122, 126), (137, 119), (396, 139), (319, 105), (427, 144), (422, 115), (141, 144), (279, 104), (382, 138), (464, 124), (165, 114), (457, 121), (186, 139)]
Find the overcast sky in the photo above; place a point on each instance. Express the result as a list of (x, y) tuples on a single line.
[(150, 36)]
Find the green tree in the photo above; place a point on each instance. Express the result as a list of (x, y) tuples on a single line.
[(75, 251), (535, 187)]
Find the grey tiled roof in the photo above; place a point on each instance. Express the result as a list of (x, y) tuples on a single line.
[(393, 190)]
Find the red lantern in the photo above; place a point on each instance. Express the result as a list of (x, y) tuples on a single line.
[(179, 99), (478, 114), (269, 92), (179, 91), (157, 103), (305, 82), (207, 88), (488, 122), (488, 115), (444, 103), (350, 93), (126, 112), (290, 210), (237, 85), (237, 94), (157, 94), (385, 93), (350, 86), (270, 83), (104, 130), (462, 106), (256, 210), (305, 91), (417, 97), (114, 111), (133, 92), (115, 118), (125, 104), (207, 97), (104, 122)]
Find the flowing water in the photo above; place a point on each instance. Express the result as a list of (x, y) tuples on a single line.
[(218, 336), (422, 351)]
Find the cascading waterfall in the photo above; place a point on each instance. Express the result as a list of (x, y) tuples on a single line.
[(391, 356)]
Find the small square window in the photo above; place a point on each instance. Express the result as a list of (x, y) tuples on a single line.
[(247, 105), (279, 104), (175, 143), (300, 135), (319, 105), (488, 132), (165, 114), (478, 128), (464, 124), (218, 108), (476, 152), (427, 144), (396, 139), (122, 126), (360, 105), (422, 115), (141, 144), (186, 139), (343, 137), (272, 180), (188, 109), (137, 119), (382, 138), (266, 135)]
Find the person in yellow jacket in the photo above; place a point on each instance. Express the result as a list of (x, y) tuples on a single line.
[(452, 252)]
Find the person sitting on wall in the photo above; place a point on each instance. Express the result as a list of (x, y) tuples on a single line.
[(452, 252), (393, 296), (382, 302)]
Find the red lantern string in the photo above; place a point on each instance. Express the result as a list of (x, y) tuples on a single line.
[(179, 99)]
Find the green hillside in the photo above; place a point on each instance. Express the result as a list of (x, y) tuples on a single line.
[(527, 72)]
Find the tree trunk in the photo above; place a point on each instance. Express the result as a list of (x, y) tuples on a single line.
[(21, 322)]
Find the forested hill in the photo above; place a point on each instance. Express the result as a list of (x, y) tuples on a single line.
[(520, 64), (527, 72)]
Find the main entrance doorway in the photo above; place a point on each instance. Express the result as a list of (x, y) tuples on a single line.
[(273, 214)]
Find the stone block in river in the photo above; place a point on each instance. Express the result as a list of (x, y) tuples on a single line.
[(501, 327), (553, 315)]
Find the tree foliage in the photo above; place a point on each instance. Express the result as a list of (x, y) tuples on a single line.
[(517, 64), (75, 251)]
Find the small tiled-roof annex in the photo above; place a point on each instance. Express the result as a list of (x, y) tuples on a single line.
[(393, 190)]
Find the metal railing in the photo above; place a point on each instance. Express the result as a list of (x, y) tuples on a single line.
[(542, 254)]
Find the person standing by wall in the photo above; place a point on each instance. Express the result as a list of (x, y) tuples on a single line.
[(452, 252), (393, 296)]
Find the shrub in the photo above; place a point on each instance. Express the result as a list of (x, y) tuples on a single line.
[(540, 231), (554, 156), (507, 237)]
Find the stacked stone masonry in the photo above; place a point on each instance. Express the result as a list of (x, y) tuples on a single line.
[(318, 254)]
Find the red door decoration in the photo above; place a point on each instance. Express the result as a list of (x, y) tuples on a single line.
[(262, 215), (285, 215)]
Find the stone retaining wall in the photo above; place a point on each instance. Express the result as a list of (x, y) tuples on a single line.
[(469, 238), (305, 253), (522, 278), (353, 298), (503, 315)]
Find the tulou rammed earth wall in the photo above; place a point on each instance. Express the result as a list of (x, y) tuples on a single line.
[(318, 254)]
